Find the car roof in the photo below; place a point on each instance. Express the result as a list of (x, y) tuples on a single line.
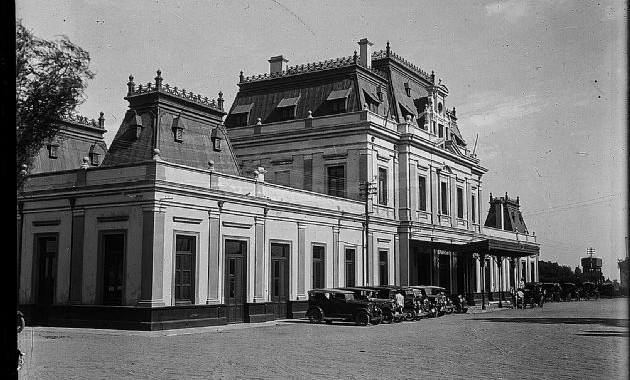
[(349, 288), (329, 290)]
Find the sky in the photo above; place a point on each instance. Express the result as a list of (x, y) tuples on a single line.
[(540, 85)]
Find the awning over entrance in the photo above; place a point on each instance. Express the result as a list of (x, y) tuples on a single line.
[(488, 246)]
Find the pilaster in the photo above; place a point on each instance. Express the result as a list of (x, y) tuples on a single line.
[(335, 256), (152, 282), (76, 255), (260, 291), (301, 262), (215, 262)]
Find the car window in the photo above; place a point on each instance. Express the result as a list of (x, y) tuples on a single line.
[(349, 297)]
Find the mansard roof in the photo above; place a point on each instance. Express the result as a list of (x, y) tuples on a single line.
[(185, 128), (397, 86), (77, 138)]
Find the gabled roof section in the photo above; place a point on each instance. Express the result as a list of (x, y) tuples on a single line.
[(288, 102), (338, 94)]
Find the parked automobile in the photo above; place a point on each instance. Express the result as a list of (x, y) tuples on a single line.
[(385, 298), (387, 305), (414, 308), (534, 294), (552, 291), (335, 304), (460, 305), (436, 296), (569, 291)]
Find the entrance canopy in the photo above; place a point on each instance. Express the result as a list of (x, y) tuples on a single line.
[(488, 246)]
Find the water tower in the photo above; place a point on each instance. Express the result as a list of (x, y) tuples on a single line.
[(592, 267)]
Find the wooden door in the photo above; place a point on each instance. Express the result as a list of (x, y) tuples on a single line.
[(235, 280), (113, 268), (279, 279), (47, 252)]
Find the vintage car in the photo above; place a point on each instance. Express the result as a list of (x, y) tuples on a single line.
[(569, 291), (414, 308), (335, 304), (589, 290), (552, 291), (460, 305), (385, 298), (534, 294), (436, 296)]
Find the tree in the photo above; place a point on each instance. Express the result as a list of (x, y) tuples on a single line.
[(51, 77)]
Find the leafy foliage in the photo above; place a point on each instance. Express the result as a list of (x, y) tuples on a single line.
[(51, 77)]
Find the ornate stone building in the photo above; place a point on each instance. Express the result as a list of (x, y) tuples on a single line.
[(190, 222)]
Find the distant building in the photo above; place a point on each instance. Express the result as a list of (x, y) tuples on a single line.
[(623, 265)]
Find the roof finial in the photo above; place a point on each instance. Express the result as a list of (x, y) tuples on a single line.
[(387, 50), (432, 77), (355, 57), (158, 79), (130, 85), (220, 100), (240, 77), (101, 120)]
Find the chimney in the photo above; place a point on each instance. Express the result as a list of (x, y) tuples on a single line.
[(277, 64), (365, 47)]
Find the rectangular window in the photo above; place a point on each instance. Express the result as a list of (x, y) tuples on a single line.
[(383, 270), (52, 151), (440, 130), (319, 279), (184, 269), (422, 193), (336, 181), (241, 119), (350, 267), (287, 113), (46, 250), (460, 202), (94, 159), (283, 178), (382, 186), (113, 259), (338, 105), (443, 198), (473, 207)]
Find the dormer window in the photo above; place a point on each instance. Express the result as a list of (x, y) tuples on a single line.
[(216, 140), (53, 150), (404, 112), (287, 108), (338, 100), (135, 124), (372, 101), (240, 114), (407, 89), (178, 129), (379, 93), (94, 159)]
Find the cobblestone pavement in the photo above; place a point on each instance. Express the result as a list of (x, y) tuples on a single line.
[(571, 340)]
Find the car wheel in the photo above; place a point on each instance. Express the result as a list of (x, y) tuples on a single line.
[(410, 314), (387, 316), (362, 319), (315, 316)]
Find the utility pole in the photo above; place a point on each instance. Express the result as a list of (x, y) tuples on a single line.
[(366, 189)]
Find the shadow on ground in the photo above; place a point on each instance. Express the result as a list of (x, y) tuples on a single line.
[(611, 322)]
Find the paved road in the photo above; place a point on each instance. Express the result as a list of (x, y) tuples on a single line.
[(572, 340)]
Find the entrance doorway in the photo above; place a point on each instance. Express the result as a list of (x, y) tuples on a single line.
[(235, 279), (47, 268), (444, 264), (280, 279), (113, 251)]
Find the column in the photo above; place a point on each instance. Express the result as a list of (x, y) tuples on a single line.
[(260, 262), (152, 282), (402, 257), (76, 255), (434, 188), (477, 274), (301, 262), (335, 248), (398, 269), (482, 261), (453, 200), (215, 263), (405, 185), (500, 265)]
